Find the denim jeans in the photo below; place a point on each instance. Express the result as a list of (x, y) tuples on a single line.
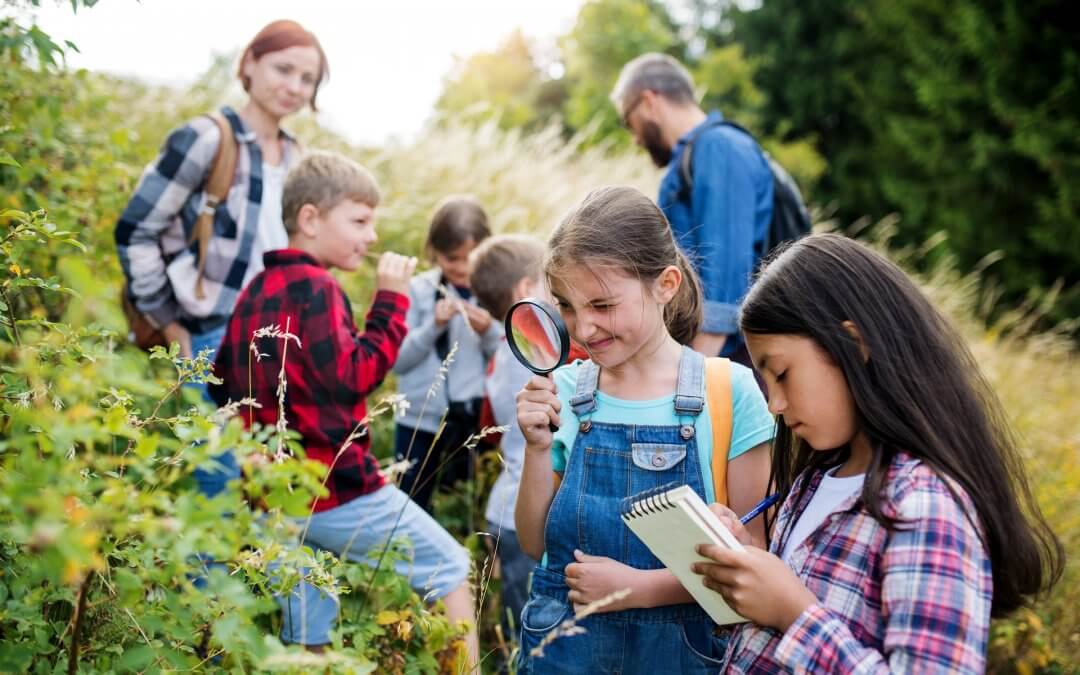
[(212, 479), (305, 606)]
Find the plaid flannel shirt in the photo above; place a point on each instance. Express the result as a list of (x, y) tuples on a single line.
[(152, 233), (329, 373), (916, 600)]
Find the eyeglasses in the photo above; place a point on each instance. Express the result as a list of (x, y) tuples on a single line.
[(630, 111)]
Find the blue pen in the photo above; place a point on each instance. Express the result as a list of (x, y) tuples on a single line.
[(761, 506)]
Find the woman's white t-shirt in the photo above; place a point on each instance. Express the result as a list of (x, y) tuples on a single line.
[(830, 494), (272, 235)]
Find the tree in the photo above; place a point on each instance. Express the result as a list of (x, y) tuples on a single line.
[(936, 112), (607, 34), (508, 84)]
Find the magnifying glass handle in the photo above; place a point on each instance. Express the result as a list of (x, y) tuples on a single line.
[(551, 425)]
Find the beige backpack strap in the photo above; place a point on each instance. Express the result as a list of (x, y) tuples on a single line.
[(718, 395), (220, 179)]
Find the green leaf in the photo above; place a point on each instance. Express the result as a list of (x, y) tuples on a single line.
[(15, 658), (8, 160), (136, 658)]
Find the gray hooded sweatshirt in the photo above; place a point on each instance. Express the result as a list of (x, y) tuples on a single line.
[(418, 363)]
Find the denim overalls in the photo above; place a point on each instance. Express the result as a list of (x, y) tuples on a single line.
[(608, 463)]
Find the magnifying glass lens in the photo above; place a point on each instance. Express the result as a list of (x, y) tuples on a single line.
[(537, 336)]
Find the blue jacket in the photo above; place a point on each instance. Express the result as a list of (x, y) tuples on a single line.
[(722, 225)]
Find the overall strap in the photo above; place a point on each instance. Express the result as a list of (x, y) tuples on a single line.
[(690, 389), (584, 400), (718, 391)]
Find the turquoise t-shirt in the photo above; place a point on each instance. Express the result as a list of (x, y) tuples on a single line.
[(752, 424)]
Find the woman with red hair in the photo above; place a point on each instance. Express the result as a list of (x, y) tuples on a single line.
[(184, 287), (185, 283)]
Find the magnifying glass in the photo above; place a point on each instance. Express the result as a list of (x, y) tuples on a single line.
[(537, 336)]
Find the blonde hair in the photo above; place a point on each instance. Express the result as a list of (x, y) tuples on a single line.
[(324, 180), (498, 264), (622, 228)]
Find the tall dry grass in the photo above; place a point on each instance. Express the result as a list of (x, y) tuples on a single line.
[(528, 181)]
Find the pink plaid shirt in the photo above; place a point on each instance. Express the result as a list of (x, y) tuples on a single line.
[(913, 600)]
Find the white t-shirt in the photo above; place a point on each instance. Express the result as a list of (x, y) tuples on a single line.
[(830, 494), (272, 235)]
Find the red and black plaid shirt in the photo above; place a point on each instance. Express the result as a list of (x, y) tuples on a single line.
[(329, 374)]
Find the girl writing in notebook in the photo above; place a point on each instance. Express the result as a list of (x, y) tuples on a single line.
[(907, 522), (632, 417)]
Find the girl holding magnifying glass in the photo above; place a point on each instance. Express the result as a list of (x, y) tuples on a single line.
[(631, 417)]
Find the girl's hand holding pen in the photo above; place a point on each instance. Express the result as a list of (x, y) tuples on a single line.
[(731, 521), (737, 525)]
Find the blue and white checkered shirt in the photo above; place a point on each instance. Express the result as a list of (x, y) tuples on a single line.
[(153, 231)]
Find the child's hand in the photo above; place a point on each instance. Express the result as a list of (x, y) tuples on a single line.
[(756, 584), (731, 521), (445, 309), (394, 272), (479, 318), (538, 407), (593, 578)]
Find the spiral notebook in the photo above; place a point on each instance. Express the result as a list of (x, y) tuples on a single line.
[(672, 521)]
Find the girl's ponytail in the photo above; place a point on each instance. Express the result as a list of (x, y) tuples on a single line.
[(684, 314)]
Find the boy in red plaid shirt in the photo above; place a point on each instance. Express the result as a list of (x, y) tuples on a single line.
[(328, 207)]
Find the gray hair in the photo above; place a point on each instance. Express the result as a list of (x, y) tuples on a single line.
[(653, 72)]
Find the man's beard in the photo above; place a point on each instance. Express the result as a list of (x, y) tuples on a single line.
[(653, 142)]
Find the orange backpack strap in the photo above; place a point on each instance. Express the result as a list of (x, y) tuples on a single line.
[(718, 394), (220, 179)]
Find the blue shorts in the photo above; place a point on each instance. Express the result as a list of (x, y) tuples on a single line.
[(436, 564)]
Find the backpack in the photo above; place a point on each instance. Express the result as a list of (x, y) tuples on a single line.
[(790, 217), (141, 331), (719, 396)]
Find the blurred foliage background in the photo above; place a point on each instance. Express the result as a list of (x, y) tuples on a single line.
[(947, 135), (961, 117)]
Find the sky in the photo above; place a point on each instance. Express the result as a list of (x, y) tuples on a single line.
[(387, 58)]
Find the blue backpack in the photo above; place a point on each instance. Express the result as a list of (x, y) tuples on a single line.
[(790, 217)]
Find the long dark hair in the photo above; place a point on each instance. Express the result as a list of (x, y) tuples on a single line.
[(920, 392), (620, 226)]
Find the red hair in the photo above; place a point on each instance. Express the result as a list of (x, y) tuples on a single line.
[(279, 35)]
